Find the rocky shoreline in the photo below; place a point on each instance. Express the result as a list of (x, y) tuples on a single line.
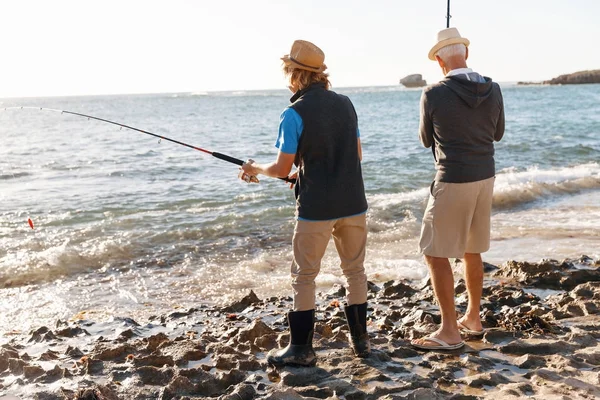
[(542, 341), (576, 78)]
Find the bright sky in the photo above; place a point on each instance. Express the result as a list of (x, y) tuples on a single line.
[(80, 47)]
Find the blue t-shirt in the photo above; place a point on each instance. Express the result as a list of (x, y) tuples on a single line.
[(290, 130)]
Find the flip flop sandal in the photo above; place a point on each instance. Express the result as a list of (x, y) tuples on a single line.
[(464, 330), (441, 344)]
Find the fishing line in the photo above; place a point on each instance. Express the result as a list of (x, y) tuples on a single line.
[(215, 154)]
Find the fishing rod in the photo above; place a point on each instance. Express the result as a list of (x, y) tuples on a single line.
[(220, 156), (448, 16)]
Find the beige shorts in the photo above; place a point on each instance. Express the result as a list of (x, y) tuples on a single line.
[(457, 219)]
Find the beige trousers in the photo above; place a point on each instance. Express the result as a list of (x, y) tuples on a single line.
[(310, 242)]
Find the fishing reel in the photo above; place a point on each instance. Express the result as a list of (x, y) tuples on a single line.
[(247, 178)]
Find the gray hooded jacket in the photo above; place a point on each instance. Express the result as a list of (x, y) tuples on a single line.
[(461, 117)]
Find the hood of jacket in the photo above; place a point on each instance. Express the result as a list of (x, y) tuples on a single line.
[(474, 91)]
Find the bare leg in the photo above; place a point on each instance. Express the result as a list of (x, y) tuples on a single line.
[(443, 285), (474, 281)]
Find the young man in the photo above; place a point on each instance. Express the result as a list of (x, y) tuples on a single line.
[(461, 117), (319, 133)]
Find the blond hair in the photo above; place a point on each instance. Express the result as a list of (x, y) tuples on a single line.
[(304, 78)]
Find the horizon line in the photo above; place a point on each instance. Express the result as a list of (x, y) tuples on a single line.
[(208, 92)]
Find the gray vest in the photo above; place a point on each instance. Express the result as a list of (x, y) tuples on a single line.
[(330, 183)]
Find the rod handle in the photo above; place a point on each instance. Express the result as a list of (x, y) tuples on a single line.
[(239, 162), (227, 158)]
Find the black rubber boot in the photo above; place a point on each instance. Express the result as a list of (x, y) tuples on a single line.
[(300, 350), (356, 315)]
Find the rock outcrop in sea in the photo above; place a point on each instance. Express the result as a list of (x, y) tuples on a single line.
[(412, 81), (576, 78), (542, 341), (592, 76)]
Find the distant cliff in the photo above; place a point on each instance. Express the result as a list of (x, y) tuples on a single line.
[(414, 80), (592, 76)]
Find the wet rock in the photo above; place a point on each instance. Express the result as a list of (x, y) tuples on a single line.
[(417, 316), (155, 376), (93, 366), (231, 378), (548, 274), (15, 366), (487, 267), (4, 357), (42, 334), (315, 392), (590, 356), (241, 392), (73, 352), (590, 307), (113, 353), (337, 291), (127, 334), (226, 361), (516, 320), (588, 290), (478, 364), (180, 385), (72, 331), (422, 394), (180, 314), (372, 287), (510, 297), (98, 393), (257, 329), (497, 336), (31, 372), (397, 290), (53, 375), (154, 341), (537, 347), (244, 303), (460, 287), (266, 342), (529, 361), (184, 352), (582, 339), (250, 364), (288, 394), (153, 361), (302, 376), (206, 384), (48, 396), (485, 379), (48, 356)]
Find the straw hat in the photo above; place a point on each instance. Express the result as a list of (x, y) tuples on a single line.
[(305, 55), (446, 37)]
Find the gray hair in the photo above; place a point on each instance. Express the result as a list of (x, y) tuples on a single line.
[(453, 50)]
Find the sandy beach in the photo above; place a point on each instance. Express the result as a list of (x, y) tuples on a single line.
[(542, 342)]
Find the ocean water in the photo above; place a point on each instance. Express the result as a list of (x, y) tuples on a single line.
[(128, 226)]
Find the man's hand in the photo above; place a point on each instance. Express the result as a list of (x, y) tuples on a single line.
[(247, 177), (248, 172), (294, 176), (249, 167)]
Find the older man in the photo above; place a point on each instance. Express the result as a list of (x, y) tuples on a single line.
[(461, 117)]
